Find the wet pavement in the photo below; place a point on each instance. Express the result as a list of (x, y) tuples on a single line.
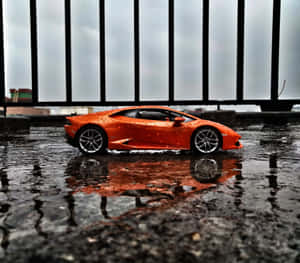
[(224, 207)]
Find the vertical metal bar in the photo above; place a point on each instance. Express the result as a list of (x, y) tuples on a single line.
[(102, 50), (136, 51), (275, 49), (68, 51), (2, 61), (240, 50), (205, 50), (171, 51), (34, 51)]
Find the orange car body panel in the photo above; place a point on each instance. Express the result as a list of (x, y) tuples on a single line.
[(125, 133)]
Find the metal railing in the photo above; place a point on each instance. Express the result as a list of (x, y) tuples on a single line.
[(274, 100)]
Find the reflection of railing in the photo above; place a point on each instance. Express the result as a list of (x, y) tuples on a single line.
[(4, 243), (136, 41), (40, 205), (272, 178)]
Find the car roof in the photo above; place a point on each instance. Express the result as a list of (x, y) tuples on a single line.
[(152, 107)]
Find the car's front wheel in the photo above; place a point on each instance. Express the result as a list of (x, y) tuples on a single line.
[(91, 140), (206, 140)]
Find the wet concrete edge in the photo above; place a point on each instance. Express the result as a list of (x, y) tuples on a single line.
[(230, 118)]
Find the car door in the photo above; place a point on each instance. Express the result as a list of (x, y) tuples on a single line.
[(155, 128), (122, 130)]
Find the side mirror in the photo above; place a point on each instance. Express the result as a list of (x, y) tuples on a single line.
[(178, 121)]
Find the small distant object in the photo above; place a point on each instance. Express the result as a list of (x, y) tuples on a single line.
[(148, 128), (20, 95), (296, 108)]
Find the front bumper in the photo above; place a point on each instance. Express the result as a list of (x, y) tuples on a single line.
[(231, 142), (233, 146)]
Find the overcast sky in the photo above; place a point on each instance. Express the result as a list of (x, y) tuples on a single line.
[(154, 49)]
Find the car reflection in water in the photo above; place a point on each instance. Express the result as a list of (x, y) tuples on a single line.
[(156, 178)]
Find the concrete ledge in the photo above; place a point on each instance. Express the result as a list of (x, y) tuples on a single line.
[(51, 120), (14, 124), (226, 117), (270, 114), (229, 118), (273, 117), (232, 118)]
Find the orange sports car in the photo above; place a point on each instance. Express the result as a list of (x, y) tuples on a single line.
[(148, 127)]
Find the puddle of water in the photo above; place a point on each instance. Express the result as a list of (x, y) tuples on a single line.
[(46, 186)]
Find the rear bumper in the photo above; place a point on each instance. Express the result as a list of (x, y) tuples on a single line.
[(71, 141)]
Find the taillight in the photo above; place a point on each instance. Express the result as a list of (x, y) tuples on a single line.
[(68, 122)]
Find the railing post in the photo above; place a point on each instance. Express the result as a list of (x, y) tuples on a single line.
[(240, 50), (205, 50), (2, 67), (102, 50), (275, 50), (136, 13), (68, 51), (34, 51), (171, 51)]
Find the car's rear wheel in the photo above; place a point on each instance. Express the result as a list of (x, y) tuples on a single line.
[(91, 140), (206, 140)]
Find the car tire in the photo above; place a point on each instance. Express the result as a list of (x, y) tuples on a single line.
[(206, 140), (91, 139)]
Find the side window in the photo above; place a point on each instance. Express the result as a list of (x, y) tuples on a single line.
[(153, 115), (173, 115), (127, 113)]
